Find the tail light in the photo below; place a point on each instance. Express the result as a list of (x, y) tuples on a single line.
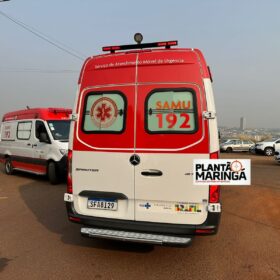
[(214, 191), (69, 172), (214, 194), (215, 155)]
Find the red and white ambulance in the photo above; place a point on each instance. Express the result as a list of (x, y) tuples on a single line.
[(36, 141), (143, 113)]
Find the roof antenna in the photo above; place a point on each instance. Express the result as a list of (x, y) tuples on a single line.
[(27, 107)]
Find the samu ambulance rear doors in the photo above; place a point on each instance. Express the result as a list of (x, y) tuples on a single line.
[(141, 170), (136, 141)]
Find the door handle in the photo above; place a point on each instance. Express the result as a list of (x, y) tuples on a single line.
[(28, 144), (34, 145), (152, 173)]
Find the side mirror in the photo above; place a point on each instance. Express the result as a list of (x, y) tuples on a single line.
[(43, 138)]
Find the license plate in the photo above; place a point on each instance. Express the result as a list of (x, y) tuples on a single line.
[(102, 204)]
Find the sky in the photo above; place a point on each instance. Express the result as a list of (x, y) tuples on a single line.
[(240, 40)]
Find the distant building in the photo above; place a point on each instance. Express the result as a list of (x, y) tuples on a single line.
[(242, 123)]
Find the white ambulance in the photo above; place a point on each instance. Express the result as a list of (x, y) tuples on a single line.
[(143, 113), (36, 141)]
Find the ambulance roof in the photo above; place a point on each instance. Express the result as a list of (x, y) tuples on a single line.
[(38, 113), (153, 65)]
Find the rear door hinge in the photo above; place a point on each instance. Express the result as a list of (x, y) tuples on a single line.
[(209, 115), (73, 117)]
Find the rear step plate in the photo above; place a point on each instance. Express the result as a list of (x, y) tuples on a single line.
[(136, 236)]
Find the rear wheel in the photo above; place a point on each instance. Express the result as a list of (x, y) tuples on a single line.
[(9, 167), (229, 150), (269, 151), (52, 173)]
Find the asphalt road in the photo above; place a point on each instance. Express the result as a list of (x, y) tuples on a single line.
[(38, 242)]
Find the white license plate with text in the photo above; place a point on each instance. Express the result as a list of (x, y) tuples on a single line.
[(102, 204)]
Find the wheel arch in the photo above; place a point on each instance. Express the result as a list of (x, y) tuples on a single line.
[(269, 147), (7, 154)]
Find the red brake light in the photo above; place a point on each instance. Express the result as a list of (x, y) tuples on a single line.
[(215, 155), (167, 44), (214, 191), (172, 43), (111, 48), (105, 49), (214, 194), (162, 44), (69, 173)]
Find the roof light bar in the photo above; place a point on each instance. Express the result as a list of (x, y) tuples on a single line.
[(166, 44), (60, 110)]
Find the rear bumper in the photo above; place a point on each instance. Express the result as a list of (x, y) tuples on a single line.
[(140, 237), (210, 226)]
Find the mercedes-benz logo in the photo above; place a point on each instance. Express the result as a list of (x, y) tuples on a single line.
[(134, 159)]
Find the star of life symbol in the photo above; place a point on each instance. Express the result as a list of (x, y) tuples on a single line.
[(104, 112)]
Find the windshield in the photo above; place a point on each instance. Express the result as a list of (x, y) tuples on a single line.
[(60, 129)]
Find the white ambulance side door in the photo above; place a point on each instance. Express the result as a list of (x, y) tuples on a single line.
[(23, 145)]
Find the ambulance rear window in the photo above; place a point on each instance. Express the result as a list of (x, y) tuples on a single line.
[(104, 112), (171, 111)]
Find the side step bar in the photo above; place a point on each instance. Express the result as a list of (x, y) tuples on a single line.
[(136, 236)]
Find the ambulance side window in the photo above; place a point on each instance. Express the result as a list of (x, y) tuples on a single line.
[(171, 111), (104, 112), (40, 128), (24, 130)]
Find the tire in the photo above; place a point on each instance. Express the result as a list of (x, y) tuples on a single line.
[(269, 151), (229, 150), (9, 169), (53, 173)]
